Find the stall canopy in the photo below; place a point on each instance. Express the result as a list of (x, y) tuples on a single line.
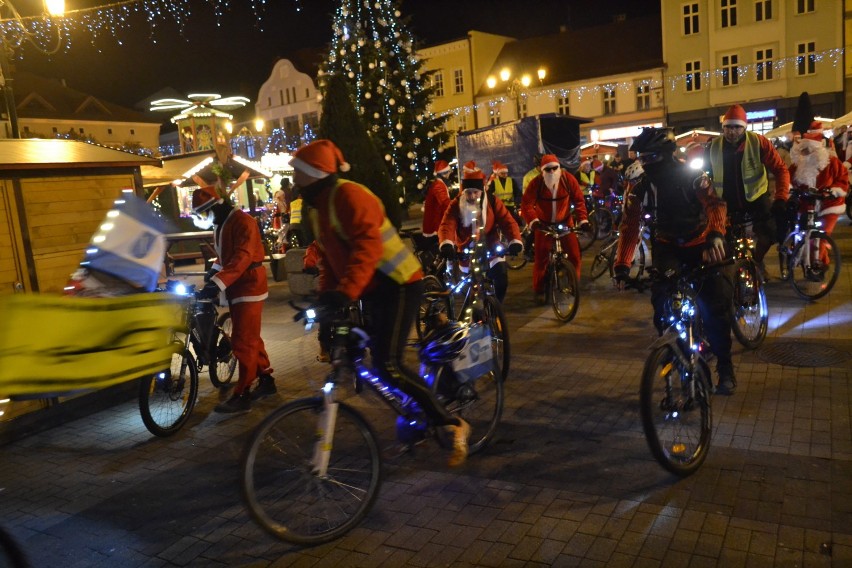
[(514, 143), (784, 130), (597, 150), (699, 136)]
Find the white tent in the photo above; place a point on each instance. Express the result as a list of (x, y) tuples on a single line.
[(780, 131), (844, 120)]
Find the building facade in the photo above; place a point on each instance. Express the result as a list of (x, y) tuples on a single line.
[(762, 54), (288, 101)]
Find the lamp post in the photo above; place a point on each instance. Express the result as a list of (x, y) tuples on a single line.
[(52, 8), (516, 86)]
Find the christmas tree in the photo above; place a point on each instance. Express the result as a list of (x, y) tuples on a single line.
[(342, 125), (374, 50)]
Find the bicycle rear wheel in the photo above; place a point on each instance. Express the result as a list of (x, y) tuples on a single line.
[(603, 260), (812, 279), (224, 364), (166, 399), (564, 292), (284, 492), (605, 222), (495, 319), (478, 402), (586, 238), (675, 417), (750, 314)]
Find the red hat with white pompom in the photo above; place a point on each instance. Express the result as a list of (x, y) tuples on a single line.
[(319, 159), (815, 132)]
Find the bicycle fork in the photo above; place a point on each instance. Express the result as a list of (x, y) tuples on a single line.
[(325, 432)]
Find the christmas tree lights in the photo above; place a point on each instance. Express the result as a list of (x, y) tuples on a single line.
[(374, 50)]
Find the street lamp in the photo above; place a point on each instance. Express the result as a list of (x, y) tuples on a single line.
[(515, 86)]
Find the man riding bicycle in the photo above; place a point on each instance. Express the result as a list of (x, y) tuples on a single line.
[(363, 257), (548, 199), (473, 209), (689, 230)]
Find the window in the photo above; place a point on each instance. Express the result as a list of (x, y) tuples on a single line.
[(690, 18), (81, 130), (762, 10), (563, 104), (132, 131), (55, 130), (288, 97), (693, 76), (522, 107), (729, 13), (763, 64), (269, 101), (294, 94), (643, 96), (281, 96), (458, 81), (307, 93), (806, 58), (804, 6), (730, 70), (109, 130), (438, 83), (608, 100), (494, 114), (461, 122)]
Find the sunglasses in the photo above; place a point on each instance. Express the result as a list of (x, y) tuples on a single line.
[(552, 169)]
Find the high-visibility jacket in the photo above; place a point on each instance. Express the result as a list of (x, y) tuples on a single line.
[(754, 177), (504, 190), (296, 211), (356, 241)]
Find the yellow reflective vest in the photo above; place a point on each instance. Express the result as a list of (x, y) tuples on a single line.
[(755, 181)]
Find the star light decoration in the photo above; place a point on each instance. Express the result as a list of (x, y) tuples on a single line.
[(113, 18)]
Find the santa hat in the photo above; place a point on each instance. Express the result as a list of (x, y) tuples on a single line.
[(204, 198), (735, 116), (815, 132), (499, 167), (319, 159), (472, 177), (549, 160), (597, 165), (441, 167)]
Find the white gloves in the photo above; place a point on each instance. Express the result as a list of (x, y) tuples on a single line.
[(837, 192)]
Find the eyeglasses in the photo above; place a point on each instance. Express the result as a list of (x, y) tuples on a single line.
[(551, 169)]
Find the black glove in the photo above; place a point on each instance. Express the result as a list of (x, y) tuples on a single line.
[(585, 226), (334, 299), (210, 291), (621, 273), (515, 248), (779, 207), (210, 274), (448, 251)]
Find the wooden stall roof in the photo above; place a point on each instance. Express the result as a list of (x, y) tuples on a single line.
[(173, 168), (46, 154)]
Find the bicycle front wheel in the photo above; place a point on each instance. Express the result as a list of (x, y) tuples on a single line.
[(478, 402), (433, 309), (564, 292), (675, 411), (812, 279), (516, 261), (750, 314), (166, 399), (282, 487), (495, 319), (224, 361)]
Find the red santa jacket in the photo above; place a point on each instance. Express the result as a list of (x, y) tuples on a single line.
[(350, 253), (833, 176), (240, 259), (493, 213), (434, 206), (542, 204)]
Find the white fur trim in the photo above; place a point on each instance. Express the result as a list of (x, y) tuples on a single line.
[(836, 209), (734, 122), (304, 167), (344, 167)]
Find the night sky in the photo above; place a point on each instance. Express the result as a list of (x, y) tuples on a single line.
[(236, 57)]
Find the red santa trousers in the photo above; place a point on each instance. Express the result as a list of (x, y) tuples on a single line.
[(247, 344)]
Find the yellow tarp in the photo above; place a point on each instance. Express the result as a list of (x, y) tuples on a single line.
[(60, 344)]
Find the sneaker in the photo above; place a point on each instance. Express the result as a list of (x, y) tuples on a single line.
[(237, 403), (460, 435), (265, 387), (727, 381)]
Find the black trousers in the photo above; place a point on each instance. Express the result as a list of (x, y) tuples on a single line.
[(715, 298), (391, 310)]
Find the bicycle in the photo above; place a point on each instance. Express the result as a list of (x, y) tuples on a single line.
[(312, 469), (801, 254), (600, 215), (467, 297), (674, 396), (604, 260), (561, 279), (167, 399), (750, 314)]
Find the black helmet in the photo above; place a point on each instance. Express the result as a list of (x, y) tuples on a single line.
[(654, 144)]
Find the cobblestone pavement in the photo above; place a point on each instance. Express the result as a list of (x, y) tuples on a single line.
[(569, 480)]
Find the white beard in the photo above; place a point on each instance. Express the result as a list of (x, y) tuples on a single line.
[(551, 180), (808, 166), (469, 212)]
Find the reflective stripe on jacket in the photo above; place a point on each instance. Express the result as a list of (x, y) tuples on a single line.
[(755, 182)]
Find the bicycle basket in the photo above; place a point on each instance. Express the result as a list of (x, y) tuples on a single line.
[(444, 344)]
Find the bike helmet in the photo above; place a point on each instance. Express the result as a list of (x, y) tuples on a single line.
[(444, 344), (653, 145), (634, 171)]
